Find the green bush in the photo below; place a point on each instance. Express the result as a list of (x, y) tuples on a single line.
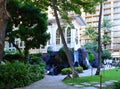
[(91, 57), (35, 59), (66, 71), (69, 71), (18, 74), (79, 69), (117, 85)]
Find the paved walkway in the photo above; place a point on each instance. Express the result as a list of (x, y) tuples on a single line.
[(50, 82), (55, 82)]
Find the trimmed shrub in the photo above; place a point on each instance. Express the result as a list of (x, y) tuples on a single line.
[(69, 71), (79, 69), (18, 74), (66, 71), (91, 57)]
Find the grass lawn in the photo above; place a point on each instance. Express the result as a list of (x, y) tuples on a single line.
[(111, 74)]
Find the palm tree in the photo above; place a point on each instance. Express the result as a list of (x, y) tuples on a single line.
[(106, 40), (74, 73), (106, 26), (91, 33), (4, 17)]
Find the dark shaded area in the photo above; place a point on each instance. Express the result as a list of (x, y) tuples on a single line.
[(13, 57), (95, 62), (82, 55), (54, 64)]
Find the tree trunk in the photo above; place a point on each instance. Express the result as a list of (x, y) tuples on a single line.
[(4, 17), (74, 73), (99, 42)]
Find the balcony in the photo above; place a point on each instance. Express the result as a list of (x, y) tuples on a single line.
[(116, 47), (116, 4), (116, 41), (116, 35)]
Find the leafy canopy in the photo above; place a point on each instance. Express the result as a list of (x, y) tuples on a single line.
[(30, 22)]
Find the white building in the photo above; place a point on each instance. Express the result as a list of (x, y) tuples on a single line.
[(71, 35)]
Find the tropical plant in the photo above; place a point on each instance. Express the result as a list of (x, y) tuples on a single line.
[(91, 46), (106, 54), (91, 33), (106, 40), (106, 26)]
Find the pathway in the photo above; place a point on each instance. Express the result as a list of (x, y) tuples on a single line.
[(55, 82)]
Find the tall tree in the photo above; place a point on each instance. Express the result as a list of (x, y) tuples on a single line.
[(99, 39), (72, 5), (4, 17), (106, 26), (30, 23)]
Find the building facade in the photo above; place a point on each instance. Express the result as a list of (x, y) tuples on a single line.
[(71, 34), (111, 11)]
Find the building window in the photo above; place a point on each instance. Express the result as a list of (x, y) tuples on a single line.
[(68, 35), (57, 37)]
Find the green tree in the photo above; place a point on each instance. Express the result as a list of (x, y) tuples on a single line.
[(91, 33), (91, 46), (31, 25), (106, 40), (106, 54), (66, 6), (99, 39), (106, 26)]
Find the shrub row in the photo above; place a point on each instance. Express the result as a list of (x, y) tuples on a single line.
[(18, 74), (69, 71)]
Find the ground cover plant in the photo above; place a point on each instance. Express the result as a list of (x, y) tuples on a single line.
[(111, 74), (19, 74)]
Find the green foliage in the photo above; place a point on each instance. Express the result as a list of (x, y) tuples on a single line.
[(79, 69), (11, 52), (66, 71), (106, 39), (107, 75), (69, 71), (35, 58), (106, 54), (18, 74), (62, 53), (30, 24), (91, 46), (91, 57), (91, 32), (106, 25), (117, 85)]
